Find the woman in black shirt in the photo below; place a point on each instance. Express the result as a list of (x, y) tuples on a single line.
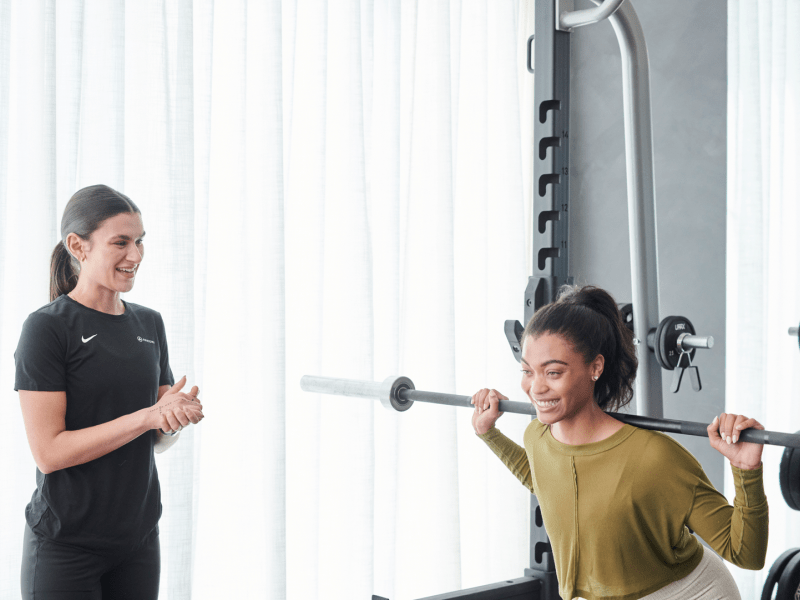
[(98, 398)]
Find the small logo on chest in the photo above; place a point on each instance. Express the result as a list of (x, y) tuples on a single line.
[(84, 340), (141, 339)]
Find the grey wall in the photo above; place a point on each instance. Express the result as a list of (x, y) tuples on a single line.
[(687, 45)]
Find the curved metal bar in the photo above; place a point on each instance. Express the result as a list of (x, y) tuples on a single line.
[(578, 18), (641, 187), (641, 201), (408, 395)]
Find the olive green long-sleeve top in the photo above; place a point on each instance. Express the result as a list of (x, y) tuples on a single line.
[(617, 510)]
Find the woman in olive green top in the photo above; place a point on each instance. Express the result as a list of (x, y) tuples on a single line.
[(618, 501)]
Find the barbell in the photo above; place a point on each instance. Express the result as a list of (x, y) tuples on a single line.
[(399, 393)]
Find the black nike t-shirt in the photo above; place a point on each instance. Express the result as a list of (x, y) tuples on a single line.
[(109, 366)]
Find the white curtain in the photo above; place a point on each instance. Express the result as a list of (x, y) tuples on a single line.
[(332, 188), (763, 264)]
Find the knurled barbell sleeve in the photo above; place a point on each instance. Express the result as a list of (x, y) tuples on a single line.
[(341, 387)]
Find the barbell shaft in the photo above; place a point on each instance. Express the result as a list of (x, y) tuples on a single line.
[(373, 390), (522, 408)]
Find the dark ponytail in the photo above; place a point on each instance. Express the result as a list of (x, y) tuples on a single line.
[(84, 213), (588, 317), (63, 276)]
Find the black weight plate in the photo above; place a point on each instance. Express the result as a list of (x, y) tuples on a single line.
[(786, 459), (658, 344), (667, 334), (775, 572), (790, 477), (789, 579), (794, 477)]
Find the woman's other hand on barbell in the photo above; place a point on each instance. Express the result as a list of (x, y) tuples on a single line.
[(723, 434)]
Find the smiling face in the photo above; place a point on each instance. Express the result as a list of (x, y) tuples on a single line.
[(111, 257), (557, 378)]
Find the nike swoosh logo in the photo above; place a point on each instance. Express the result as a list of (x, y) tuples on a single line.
[(84, 340)]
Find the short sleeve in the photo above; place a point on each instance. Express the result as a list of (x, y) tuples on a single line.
[(40, 356), (166, 377)]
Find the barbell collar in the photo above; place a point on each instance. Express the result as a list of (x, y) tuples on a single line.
[(401, 389), (392, 390)]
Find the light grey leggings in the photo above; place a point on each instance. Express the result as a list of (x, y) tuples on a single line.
[(710, 580)]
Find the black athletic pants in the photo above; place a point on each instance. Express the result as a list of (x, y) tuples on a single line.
[(53, 571)]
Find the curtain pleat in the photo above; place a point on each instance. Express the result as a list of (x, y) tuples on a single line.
[(346, 476), (101, 141), (70, 16), (327, 188), (305, 216), (242, 452), (383, 209), (427, 441), (502, 182), (763, 249), (27, 232)]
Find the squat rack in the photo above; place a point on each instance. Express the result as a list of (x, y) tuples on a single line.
[(549, 61)]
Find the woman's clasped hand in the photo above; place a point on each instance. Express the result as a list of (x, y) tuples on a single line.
[(176, 409), (487, 409)]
